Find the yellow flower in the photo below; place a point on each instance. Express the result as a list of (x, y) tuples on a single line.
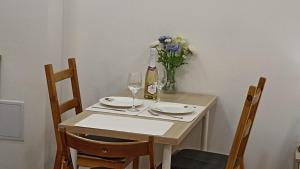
[(179, 39)]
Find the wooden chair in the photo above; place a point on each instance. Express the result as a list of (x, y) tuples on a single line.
[(116, 155), (58, 109), (196, 159), (74, 103)]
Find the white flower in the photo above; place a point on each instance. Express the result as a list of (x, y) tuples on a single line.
[(168, 40), (154, 44), (192, 50)]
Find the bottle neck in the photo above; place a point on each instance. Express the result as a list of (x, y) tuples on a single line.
[(152, 62)]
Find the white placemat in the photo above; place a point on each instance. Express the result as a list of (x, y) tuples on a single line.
[(101, 108), (125, 124), (185, 117)]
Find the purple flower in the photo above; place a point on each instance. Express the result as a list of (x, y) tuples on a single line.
[(172, 47), (163, 38)]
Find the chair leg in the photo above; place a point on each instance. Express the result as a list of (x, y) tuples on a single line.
[(67, 164), (159, 166), (242, 164), (58, 160), (135, 164)]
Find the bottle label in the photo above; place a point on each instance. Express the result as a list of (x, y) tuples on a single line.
[(152, 89)]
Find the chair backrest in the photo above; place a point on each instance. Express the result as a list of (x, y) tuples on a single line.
[(235, 160), (106, 149), (57, 108)]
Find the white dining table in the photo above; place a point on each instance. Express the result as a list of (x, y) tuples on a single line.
[(174, 131)]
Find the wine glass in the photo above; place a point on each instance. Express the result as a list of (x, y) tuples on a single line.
[(161, 81), (134, 85)]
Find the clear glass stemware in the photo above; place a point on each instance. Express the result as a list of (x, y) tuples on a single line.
[(161, 81), (134, 85)]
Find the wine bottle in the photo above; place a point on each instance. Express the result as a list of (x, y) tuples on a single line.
[(150, 91)]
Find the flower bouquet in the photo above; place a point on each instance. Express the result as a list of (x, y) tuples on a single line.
[(172, 54)]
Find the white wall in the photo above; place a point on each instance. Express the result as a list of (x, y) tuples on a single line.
[(29, 38), (54, 56), (110, 38), (237, 42)]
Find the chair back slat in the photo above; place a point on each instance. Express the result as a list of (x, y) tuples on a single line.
[(238, 148), (62, 75), (68, 105), (108, 149)]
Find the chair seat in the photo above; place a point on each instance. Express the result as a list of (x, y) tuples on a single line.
[(196, 159)]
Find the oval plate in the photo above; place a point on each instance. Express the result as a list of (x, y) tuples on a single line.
[(173, 108), (115, 101)]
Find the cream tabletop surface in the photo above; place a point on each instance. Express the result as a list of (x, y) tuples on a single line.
[(174, 135)]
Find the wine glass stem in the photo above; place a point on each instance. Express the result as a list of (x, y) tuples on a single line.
[(133, 98), (158, 95)]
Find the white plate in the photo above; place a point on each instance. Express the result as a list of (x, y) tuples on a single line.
[(125, 102), (173, 108)]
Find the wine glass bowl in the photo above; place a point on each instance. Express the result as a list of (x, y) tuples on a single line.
[(134, 85), (134, 88), (161, 81)]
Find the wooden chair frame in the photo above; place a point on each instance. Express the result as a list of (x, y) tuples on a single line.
[(235, 159), (62, 158), (236, 156), (57, 108), (102, 151)]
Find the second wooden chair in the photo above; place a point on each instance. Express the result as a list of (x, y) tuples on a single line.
[(196, 159)]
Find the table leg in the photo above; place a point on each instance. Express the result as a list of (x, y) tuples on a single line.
[(167, 153), (204, 136), (297, 165)]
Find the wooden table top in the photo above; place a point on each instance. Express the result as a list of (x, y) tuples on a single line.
[(173, 136)]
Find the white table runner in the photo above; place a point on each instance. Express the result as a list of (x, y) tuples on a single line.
[(125, 124)]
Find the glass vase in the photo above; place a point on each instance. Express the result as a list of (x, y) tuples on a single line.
[(170, 86)]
